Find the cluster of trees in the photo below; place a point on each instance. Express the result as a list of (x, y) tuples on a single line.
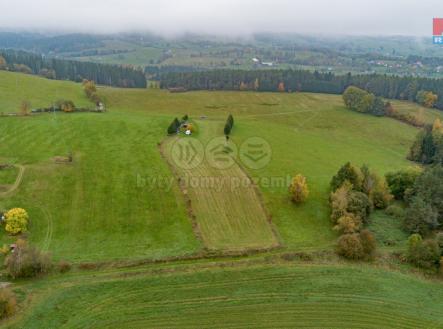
[(393, 87), (426, 253), (422, 194), (355, 192), (175, 125), (60, 69), (229, 125), (362, 101), (428, 145), (91, 91), (424, 212), (426, 98)]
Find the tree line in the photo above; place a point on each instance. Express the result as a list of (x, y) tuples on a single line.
[(388, 86), (61, 69)]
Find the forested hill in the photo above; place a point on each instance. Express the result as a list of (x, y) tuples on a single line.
[(61, 69), (394, 87)]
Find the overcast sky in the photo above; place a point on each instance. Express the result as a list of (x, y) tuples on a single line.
[(239, 17)]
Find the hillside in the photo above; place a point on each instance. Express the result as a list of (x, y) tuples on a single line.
[(119, 214), (115, 152)]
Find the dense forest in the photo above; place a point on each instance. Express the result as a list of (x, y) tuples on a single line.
[(61, 69), (394, 87)]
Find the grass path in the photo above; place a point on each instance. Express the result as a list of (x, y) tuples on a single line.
[(228, 217)]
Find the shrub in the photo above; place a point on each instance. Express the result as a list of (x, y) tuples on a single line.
[(348, 224), (368, 242), (25, 107), (350, 246), (339, 202), (395, 211), (425, 254), (64, 266), (426, 98), (402, 180), (16, 220), (359, 205), (65, 105), (8, 303), (357, 246), (380, 197), (439, 240), (347, 173), (420, 217), (375, 188), (299, 189), (26, 261)]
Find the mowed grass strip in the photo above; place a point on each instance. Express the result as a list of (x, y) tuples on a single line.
[(228, 211), (264, 296)]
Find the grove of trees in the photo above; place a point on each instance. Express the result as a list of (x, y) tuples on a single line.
[(428, 145), (355, 192), (387, 86)]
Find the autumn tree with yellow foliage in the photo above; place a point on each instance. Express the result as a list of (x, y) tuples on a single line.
[(16, 221), (299, 189)]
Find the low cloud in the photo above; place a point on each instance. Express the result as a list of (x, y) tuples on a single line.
[(224, 17)]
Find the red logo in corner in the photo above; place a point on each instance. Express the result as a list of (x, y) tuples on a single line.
[(438, 26)]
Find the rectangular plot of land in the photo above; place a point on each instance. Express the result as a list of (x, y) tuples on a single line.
[(227, 208)]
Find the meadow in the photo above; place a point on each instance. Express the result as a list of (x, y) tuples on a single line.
[(120, 204), (95, 209), (234, 294)]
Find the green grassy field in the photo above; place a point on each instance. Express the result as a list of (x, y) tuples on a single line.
[(424, 114), (234, 295), (8, 175), (120, 200), (95, 209)]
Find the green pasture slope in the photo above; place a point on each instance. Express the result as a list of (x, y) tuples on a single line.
[(98, 207), (111, 203), (229, 295), (119, 200)]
